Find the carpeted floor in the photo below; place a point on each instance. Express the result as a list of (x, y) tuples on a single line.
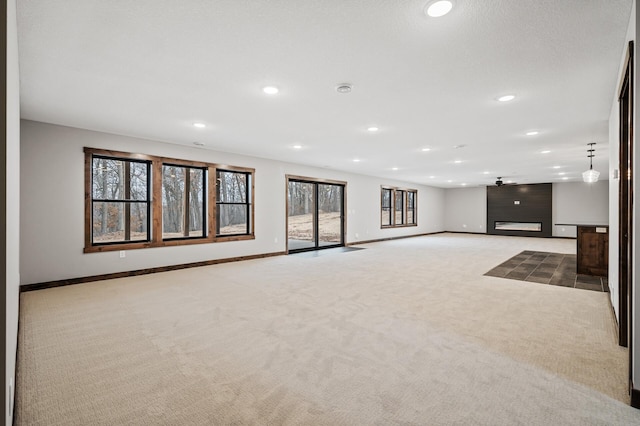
[(405, 332), (548, 268)]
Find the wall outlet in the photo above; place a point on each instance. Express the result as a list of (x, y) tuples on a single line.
[(356, 235), (464, 225), (123, 254), (275, 240)]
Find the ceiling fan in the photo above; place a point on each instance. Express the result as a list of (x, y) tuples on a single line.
[(500, 183)]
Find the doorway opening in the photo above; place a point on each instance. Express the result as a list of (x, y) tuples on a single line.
[(315, 214)]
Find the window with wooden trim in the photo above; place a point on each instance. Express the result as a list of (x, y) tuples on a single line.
[(137, 201), (411, 208), (398, 207), (386, 207), (233, 203), (184, 209), (120, 200)]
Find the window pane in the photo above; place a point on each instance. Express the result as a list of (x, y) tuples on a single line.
[(110, 179), (411, 207), (386, 207), (399, 208), (197, 215), (182, 202), (232, 219), (233, 201), (232, 187), (110, 222), (138, 173), (329, 214)]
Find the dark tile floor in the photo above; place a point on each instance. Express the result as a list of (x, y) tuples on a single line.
[(547, 268)]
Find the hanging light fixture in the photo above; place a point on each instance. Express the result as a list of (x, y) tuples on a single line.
[(590, 176)]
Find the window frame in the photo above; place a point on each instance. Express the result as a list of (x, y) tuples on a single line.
[(154, 183), (250, 203), (205, 199), (414, 209), (405, 206)]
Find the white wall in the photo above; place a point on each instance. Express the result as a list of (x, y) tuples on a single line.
[(52, 205), (13, 204), (579, 202), (465, 209)]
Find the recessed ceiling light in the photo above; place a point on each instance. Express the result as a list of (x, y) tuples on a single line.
[(458, 161), (297, 147), (198, 143), (394, 168), (485, 173), (565, 178), (508, 181), (562, 173), (449, 181), (344, 88), (545, 152), (532, 133), (356, 160), (372, 129), (432, 177), (463, 184), (459, 146), (506, 98), (270, 90), (556, 167), (199, 125), (439, 8), (426, 149)]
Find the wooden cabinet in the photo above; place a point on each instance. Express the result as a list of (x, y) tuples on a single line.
[(593, 250)]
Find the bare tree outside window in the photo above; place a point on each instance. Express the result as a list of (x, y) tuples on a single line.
[(386, 207), (233, 203), (136, 201), (120, 200), (398, 207), (183, 205), (411, 207)]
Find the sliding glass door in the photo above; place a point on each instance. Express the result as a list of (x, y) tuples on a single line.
[(315, 215)]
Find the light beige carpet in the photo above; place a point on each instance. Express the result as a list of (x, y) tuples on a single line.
[(404, 332)]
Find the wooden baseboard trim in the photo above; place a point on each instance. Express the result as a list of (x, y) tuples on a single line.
[(635, 397), (82, 280), (355, 243)]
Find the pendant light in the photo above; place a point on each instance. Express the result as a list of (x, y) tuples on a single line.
[(590, 176)]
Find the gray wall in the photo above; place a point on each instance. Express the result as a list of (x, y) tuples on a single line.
[(465, 209), (13, 205), (52, 206), (579, 202)]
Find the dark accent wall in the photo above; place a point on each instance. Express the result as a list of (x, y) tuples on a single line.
[(535, 206)]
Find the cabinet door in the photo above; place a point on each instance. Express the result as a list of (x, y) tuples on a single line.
[(593, 250)]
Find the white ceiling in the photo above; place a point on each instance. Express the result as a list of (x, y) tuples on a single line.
[(151, 68)]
